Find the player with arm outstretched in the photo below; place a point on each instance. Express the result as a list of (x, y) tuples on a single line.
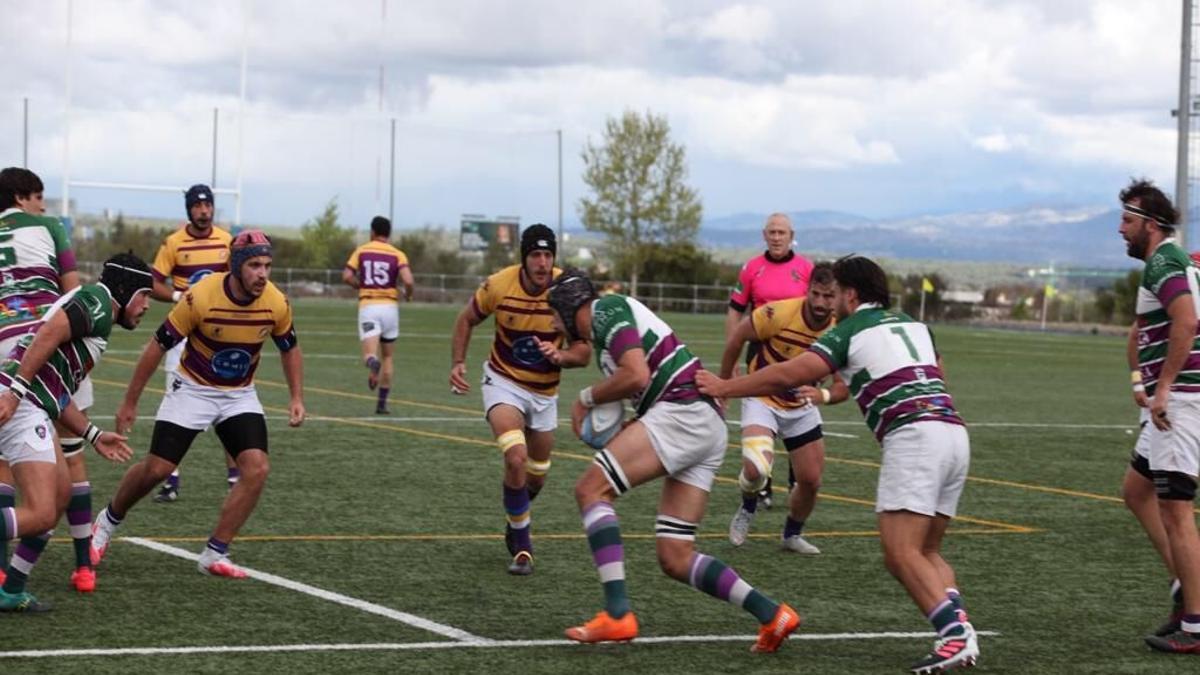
[(895, 375), (228, 317), (520, 384), (375, 268), (784, 329), (37, 266), (186, 256), (678, 435), (37, 382)]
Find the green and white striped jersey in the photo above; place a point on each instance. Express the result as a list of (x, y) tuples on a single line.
[(34, 253), (891, 364), (53, 386), (619, 323), (1168, 274)]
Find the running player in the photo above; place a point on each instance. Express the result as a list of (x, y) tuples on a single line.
[(37, 381), (895, 374), (229, 315), (374, 268), (778, 274), (520, 385), (784, 329), (36, 267), (678, 435), (186, 256)]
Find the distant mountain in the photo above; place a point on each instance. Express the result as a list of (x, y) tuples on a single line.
[(1083, 236)]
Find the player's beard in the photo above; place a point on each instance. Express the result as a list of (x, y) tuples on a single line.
[(1136, 245)]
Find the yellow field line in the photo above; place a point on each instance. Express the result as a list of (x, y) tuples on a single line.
[(570, 455), (318, 538)]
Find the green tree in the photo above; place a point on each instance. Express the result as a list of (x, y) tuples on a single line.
[(325, 242), (1125, 295), (640, 196)]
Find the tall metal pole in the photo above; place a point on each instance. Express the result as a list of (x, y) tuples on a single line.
[(25, 137), (1184, 120), (65, 209), (560, 186), (241, 144), (392, 178), (213, 184)]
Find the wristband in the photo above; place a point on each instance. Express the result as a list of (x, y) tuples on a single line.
[(19, 387), (825, 396), (585, 397), (91, 433), (1139, 388), (1135, 376), (176, 295)]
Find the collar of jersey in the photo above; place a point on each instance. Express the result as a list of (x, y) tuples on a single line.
[(790, 254), (229, 293), (867, 305)]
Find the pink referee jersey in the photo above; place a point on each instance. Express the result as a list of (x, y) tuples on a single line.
[(763, 280)]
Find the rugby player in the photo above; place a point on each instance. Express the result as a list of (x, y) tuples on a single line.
[(37, 381), (784, 329), (678, 435), (228, 316), (520, 385), (186, 256), (895, 375), (374, 269)]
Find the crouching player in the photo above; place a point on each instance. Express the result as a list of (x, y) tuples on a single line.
[(37, 382), (895, 374), (226, 317), (679, 435), (783, 329)]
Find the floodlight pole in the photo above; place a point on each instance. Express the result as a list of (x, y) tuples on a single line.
[(213, 184), (65, 209), (560, 188), (25, 136), (392, 178), (1183, 119)]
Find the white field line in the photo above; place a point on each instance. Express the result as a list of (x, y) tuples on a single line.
[(369, 607), (478, 419), (413, 646)]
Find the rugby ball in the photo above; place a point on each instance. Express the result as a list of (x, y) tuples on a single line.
[(601, 424)]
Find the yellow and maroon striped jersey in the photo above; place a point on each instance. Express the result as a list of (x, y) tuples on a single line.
[(520, 317), (182, 260), (225, 335), (377, 265), (783, 334)]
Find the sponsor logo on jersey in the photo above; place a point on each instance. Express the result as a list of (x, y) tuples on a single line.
[(526, 352), (198, 275), (231, 364)]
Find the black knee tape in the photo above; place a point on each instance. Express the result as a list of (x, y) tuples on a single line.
[(243, 432), (171, 441), (1174, 485), (813, 434)]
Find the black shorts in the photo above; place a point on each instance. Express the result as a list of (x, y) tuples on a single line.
[(813, 434), (240, 432)]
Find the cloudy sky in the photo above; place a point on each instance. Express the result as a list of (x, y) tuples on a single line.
[(872, 107)]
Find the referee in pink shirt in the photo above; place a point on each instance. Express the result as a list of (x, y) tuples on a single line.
[(778, 274)]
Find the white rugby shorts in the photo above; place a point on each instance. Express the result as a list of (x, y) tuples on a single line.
[(1178, 448), (784, 423), (541, 412), (924, 468), (28, 436), (379, 320), (690, 440), (196, 406)]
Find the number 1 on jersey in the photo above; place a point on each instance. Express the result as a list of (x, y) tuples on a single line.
[(912, 350)]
